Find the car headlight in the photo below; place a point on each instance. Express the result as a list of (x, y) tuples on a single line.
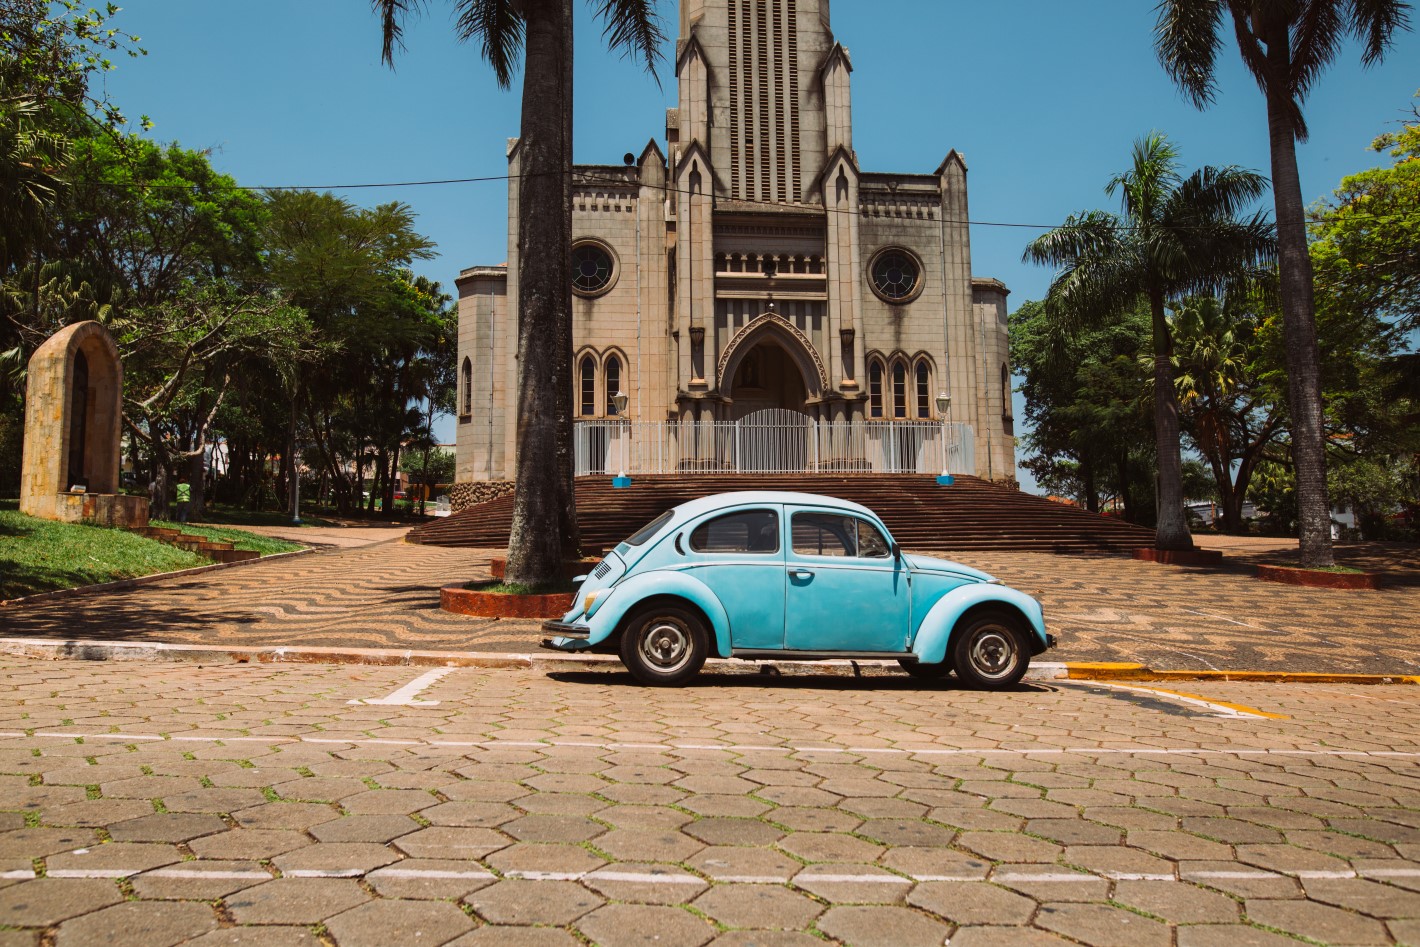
[(589, 606)]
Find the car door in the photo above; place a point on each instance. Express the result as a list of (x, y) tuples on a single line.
[(740, 556), (845, 590)]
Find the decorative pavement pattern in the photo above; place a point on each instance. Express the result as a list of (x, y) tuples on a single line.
[(1103, 609), (156, 804)]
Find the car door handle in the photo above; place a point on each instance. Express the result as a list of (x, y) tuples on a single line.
[(800, 574)]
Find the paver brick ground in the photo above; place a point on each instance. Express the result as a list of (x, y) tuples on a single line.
[(582, 808), (1103, 608)]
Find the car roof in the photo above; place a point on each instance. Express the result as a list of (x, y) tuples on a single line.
[(694, 508)]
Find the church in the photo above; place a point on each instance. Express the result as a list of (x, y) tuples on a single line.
[(746, 298)]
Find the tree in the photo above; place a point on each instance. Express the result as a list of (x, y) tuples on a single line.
[(1366, 241), (539, 32), (1225, 391), (1085, 407), (1286, 45), (1176, 236)]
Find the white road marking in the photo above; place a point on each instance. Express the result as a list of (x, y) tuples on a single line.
[(1215, 710), (406, 695), (677, 748), (686, 879)]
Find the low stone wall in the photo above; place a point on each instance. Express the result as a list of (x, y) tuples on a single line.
[(465, 495)]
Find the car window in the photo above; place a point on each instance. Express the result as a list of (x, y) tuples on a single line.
[(747, 531), (872, 544), (824, 534), (650, 529)]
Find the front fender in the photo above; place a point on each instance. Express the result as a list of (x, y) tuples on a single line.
[(637, 589), (935, 632)]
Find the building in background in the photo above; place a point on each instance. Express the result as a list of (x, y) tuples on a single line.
[(763, 302)]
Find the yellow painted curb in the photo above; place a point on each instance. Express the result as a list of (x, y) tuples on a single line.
[(1100, 671)]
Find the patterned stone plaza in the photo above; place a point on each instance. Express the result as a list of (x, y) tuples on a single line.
[(153, 804)]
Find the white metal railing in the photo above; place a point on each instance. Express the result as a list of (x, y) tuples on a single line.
[(761, 445)]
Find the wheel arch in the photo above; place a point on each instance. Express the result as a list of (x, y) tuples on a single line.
[(634, 595), (957, 607)]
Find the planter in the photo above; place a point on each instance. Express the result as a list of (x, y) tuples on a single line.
[(570, 570), (1317, 579), (1180, 557), (462, 601)]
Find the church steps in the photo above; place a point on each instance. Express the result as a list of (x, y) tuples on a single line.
[(971, 514)]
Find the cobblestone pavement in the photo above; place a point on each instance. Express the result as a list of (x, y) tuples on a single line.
[(154, 804), (1103, 609)]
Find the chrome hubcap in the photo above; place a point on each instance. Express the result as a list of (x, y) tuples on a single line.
[(665, 645), (993, 652)]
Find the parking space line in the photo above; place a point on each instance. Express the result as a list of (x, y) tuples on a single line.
[(407, 695), (678, 748), (1218, 708), (682, 878)]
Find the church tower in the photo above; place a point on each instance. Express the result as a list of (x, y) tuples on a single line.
[(749, 275)]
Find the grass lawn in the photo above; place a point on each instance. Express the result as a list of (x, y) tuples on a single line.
[(239, 538), (42, 555), (233, 516)]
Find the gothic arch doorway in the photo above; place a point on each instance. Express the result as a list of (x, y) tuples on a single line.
[(770, 364)]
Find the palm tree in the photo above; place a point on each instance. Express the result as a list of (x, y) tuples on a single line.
[(539, 32), (1285, 44), (1176, 237)]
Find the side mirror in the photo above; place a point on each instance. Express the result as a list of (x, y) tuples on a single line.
[(896, 551)]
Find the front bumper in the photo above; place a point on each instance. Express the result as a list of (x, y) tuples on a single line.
[(1050, 642), (562, 629)]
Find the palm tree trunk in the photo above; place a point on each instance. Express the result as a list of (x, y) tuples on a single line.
[(1172, 530), (571, 537), (1299, 340), (544, 265)]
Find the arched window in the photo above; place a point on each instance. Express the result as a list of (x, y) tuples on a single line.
[(466, 387), (899, 390), (924, 399), (613, 383), (875, 389), (589, 387)]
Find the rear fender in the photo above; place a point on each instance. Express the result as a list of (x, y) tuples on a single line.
[(934, 634), (631, 592)]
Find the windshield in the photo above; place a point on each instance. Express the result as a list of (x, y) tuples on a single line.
[(650, 529)]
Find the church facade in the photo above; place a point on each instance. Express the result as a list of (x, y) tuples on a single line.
[(762, 302)]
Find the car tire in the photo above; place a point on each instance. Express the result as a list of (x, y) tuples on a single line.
[(664, 645), (926, 672), (989, 652)]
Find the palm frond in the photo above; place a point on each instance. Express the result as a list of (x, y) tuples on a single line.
[(1216, 193), (1152, 174), (1374, 23), (392, 14), (1316, 38), (499, 27), (634, 27), (1187, 38), (1091, 234)]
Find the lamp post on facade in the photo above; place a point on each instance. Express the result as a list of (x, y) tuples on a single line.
[(619, 401), (944, 408)]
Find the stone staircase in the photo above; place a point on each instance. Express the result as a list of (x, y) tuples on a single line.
[(216, 551), (971, 514)]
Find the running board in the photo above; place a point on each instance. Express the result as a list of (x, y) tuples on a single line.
[(746, 654)]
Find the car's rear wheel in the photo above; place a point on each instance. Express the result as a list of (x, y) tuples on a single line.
[(926, 672), (990, 652), (665, 645)]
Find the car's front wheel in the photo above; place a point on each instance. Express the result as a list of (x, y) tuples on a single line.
[(665, 645), (990, 652)]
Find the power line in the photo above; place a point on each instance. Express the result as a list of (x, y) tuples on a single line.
[(610, 182)]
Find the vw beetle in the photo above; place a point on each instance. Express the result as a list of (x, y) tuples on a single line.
[(796, 576)]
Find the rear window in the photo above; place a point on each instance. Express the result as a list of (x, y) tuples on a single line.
[(754, 532), (650, 529)]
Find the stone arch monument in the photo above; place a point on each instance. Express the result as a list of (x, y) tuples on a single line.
[(73, 426)]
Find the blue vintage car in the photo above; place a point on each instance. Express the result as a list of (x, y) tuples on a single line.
[(794, 576)]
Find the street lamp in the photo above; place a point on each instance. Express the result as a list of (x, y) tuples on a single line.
[(944, 408), (619, 401)]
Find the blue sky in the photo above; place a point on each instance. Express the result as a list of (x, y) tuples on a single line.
[(1042, 98)]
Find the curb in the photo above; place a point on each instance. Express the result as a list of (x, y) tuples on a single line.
[(124, 584), (94, 650)]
